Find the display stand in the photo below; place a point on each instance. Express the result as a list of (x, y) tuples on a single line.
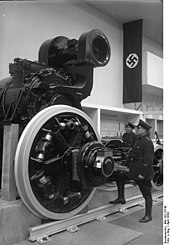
[(10, 140), (15, 217)]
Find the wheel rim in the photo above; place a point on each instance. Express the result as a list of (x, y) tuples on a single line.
[(27, 165), (157, 181)]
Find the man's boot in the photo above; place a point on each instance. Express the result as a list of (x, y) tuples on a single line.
[(148, 211), (121, 198)]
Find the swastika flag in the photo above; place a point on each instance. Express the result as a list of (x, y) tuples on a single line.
[(132, 61)]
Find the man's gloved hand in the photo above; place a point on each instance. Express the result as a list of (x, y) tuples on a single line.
[(140, 176)]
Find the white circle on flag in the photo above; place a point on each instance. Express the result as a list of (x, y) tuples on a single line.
[(132, 60)]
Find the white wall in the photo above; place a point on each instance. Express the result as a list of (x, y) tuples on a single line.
[(151, 46), (24, 26), (148, 101), (152, 72)]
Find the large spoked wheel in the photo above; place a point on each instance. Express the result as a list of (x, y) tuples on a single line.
[(157, 182), (46, 174)]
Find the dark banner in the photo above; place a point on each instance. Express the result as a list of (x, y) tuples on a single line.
[(132, 61)]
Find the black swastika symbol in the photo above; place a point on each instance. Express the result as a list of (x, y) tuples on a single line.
[(132, 60)]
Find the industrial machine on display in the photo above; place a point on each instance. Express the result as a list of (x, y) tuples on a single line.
[(60, 159)]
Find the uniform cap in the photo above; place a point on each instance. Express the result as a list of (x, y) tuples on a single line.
[(129, 124), (144, 125)]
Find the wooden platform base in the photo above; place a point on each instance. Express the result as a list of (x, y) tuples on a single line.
[(93, 233), (15, 219)]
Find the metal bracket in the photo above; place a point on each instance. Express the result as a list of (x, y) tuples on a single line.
[(73, 228), (101, 218), (43, 239), (141, 204), (122, 210), (156, 199)]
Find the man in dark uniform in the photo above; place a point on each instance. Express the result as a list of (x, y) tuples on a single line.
[(140, 162), (128, 139)]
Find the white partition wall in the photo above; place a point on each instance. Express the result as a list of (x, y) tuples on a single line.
[(152, 70), (110, 121)]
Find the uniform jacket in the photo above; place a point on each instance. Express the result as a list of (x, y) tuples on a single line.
[(129, 139), (141, 158)]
